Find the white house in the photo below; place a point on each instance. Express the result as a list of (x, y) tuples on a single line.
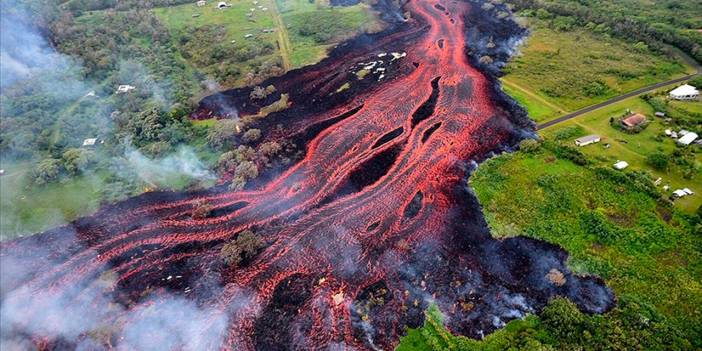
[(682, 192), (688, 138), (621, 165), (89, 142), (125, 88), (201, 3), (685, 92), (587, 140)]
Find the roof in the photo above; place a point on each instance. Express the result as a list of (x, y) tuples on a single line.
[(621, 165), (89, 141), (587, 138), (684, 90), (634, 120), (688, 138)]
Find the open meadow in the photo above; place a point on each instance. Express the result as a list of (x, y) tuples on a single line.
[(559, 71)]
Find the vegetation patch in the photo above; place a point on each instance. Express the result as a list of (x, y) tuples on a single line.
[(618, 235), (571, 67)]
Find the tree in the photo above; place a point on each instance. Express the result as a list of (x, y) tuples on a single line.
[(242, 249), (258, 93), (222, 133), (47, 170), (202, 210), (543, 14), (658, 160), (75, 160), (564, 320), (252, 135)]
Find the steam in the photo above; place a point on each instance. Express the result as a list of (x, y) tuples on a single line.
[(183, 162), (86, 314), (23, 51)]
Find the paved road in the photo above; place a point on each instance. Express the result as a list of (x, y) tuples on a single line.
[(625, 96)]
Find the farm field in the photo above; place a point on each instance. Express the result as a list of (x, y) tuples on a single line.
[(578, 67)]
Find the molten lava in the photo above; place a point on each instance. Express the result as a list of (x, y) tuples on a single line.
[(370, 228)]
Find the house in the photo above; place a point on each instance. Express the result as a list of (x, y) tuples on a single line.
[(687, 139), (587, 140), (633, 121), (247, 36), (685, 92), (682, 193), (201, 3), (660, 114), (621, 165), (222, 5), (125, 88), (90, 142)]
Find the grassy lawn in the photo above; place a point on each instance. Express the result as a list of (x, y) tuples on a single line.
[(233, 18), (577, 68), (28, 209), (646, 251), (633, 148), (338, 23), (538, 108)]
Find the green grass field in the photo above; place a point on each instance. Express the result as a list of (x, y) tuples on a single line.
[(633, 148), (301, 50), (26, 209), (579, 68), (646, 251), (338, 23)]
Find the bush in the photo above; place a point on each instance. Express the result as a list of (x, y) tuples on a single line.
[(658, 160), (529, 145), (251, 135), (242, 249), (47, 171), (222, 134)]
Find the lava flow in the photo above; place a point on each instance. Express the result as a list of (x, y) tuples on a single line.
[(371, 227)]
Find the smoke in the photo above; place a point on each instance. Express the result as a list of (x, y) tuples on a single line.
[(87, 316), (183, 162), (173, 324), (23, 51)]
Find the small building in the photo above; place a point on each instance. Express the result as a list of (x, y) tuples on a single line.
[(201, 3), (125, 88), (248, 36), (660, 114), (90, 142), (222, 5), (587, 140), (633, 121), (685, 92), (621, 165), (668, 132), (682, 193), (687, 139)]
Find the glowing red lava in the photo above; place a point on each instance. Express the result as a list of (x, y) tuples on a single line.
[(372, 226)]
